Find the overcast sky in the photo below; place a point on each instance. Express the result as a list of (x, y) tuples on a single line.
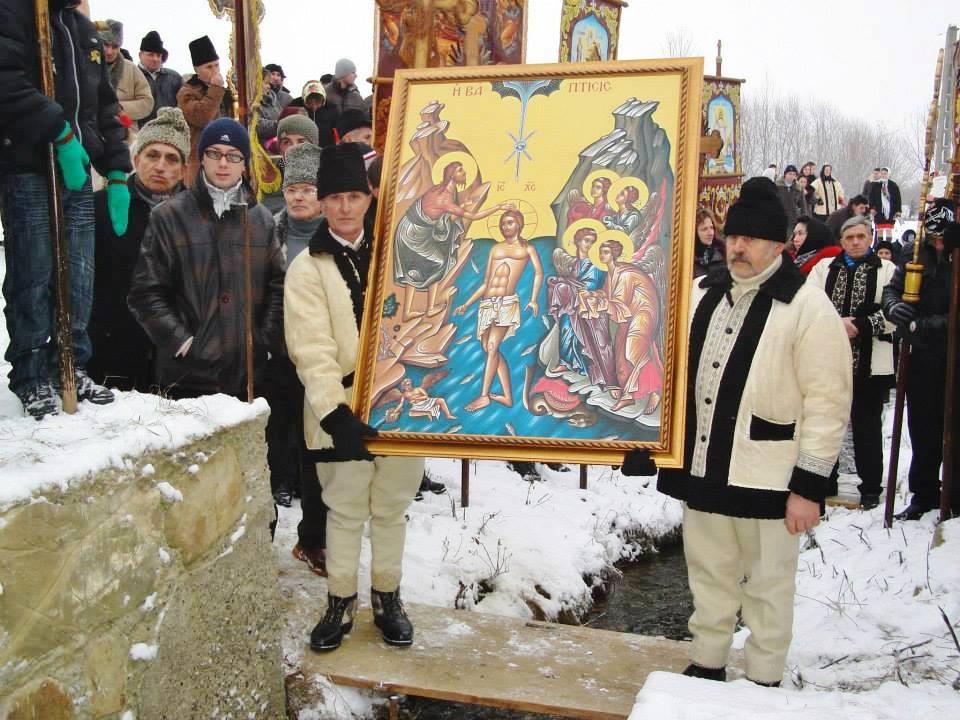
[(871, 57)]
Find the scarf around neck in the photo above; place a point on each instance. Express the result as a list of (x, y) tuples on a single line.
[(151, 198), (223, 199)]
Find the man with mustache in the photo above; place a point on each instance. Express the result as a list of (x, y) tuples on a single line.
[(768, 399)]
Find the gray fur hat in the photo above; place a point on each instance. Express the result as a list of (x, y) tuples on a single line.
[(300, 164), (299, 125), (170, 127), (111, 31)]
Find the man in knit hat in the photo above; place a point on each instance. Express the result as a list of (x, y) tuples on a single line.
[(342, 92), (203, 98), (768, 399), (323, 305), (122, 352), (290, 465), (296, 130), (133, 90), (164, 82), (188, 289)]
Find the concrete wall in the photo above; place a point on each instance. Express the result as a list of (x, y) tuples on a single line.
[(151, 589)]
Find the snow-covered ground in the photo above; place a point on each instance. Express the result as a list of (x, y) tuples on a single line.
[(871, 639)]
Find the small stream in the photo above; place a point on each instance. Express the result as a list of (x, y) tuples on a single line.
[(650, 597)]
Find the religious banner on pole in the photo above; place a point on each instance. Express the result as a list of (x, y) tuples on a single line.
[(721, 172), (246, 80), (590, 30), (442, 33)]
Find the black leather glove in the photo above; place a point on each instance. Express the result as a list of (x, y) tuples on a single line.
[(930, 327), (901, 313), (951, 236), (638, 463), (348, 434)]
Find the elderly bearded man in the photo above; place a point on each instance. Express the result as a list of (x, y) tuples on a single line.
[(323, 306), (768, 398)]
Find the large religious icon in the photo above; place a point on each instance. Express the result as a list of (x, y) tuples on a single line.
[(529, 289), (590, 30), (442, 33)]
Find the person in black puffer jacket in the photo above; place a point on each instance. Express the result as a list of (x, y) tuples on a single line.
[(83, 126)]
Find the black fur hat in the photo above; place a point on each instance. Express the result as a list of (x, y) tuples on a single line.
[(202, 51), (758, 212), (152, 43), (342, 170)]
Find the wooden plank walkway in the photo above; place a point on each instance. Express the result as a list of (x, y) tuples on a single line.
[(501, 662)]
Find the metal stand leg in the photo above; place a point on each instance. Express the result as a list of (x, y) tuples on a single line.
[(583, 477), (394, 707), (464, 483)]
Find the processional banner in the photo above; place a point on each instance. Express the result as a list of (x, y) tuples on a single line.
[(442, 33), (266, 176), (529, 294), (721, 175), (590, 30)]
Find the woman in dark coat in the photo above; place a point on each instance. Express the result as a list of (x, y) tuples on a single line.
[(710, 248), (810, 236)]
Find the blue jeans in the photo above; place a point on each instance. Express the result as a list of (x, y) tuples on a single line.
[(29, 285)]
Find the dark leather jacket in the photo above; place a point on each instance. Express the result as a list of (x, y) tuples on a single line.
[(189, 282)]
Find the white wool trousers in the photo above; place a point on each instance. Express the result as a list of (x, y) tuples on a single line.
[(378, 491), (740, 563)]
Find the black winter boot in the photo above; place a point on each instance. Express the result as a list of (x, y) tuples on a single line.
[(39, 400), (87, 389), (697, 671), (391, 618), (337, 621)]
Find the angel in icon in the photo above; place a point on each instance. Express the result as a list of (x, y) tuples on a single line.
[(420, 402)]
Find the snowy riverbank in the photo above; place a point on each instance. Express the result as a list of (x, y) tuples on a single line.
[(870, 640)]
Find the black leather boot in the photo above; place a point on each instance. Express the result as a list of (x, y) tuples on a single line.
[(697, 671), (391, 618), (337, 621)]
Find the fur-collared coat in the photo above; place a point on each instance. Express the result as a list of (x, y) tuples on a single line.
[(769, 387), (323, 305)]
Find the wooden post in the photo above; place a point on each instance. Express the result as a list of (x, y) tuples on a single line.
[(949, 406), (240, 61), (247, 298), (583, 477), (464, 483), (893, 463), (60, 252)]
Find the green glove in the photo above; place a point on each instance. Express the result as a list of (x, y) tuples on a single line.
[(72, 158), (118, 201)]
